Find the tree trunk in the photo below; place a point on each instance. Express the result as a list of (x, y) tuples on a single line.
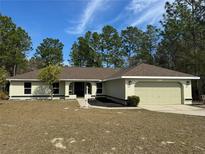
[(14, 70), (51, 91)]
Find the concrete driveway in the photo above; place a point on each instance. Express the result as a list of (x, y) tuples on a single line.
[(179, 109)]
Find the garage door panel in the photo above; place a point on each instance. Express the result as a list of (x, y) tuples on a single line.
[(158, 93)]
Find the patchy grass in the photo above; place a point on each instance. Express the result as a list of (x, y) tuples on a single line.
[(63, 127)]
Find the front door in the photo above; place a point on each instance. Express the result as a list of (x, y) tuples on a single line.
[(79, 89)]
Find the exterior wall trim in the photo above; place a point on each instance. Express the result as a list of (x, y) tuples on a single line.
[(59, 80), (121, 77), (80, 80), (154, 77), (111, 97), (158, 77), (38, 96), (23, 80)]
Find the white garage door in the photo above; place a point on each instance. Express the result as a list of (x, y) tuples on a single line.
[(158, 92)]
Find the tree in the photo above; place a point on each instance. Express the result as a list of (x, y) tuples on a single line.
[(3, 76), (183, 38), (14, 44), (33, 64), (95, 44), (49, 52), (75, 57), (111, 47), (49, 75), (84, 52), (140, 46), (131, 40), (98, 50), (150, 43)]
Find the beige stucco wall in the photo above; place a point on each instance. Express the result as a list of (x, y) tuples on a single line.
[(16, 88), (185, 88), (37, 88), (115, 88), (186, 91)]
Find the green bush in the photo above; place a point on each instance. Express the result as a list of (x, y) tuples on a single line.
[(133, 100), (3, 95)]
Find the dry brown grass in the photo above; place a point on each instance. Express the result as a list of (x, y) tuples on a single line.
[(62, 127)]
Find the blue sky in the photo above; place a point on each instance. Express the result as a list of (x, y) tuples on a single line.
[(69, 19)]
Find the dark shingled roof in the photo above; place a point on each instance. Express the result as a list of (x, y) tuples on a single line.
[(107, 73), (149, 70), (74, 73)]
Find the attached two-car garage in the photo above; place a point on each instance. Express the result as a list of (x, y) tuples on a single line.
[(159, 92)]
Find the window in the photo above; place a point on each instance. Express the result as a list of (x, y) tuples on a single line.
[(70, 88), (56, 88), (99, 88), (27, 88)]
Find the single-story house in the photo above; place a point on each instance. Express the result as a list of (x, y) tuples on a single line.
[(154, 85)]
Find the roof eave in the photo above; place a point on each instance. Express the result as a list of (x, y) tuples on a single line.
[(156, 77), (162, 77), (80, 80), (121, 77), (59, 80)]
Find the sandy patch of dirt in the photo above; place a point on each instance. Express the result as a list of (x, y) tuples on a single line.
[(48, 127)]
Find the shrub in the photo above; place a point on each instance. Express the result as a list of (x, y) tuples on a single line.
[(3, 95), (3, 75), (133, 100)]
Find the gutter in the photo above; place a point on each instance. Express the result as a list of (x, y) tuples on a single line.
[(155, 77), (121, 77), (98, 80)]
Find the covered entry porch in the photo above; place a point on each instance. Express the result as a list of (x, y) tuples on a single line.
[(80, 89)]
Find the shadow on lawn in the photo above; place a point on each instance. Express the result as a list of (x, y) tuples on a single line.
[(103, 101)]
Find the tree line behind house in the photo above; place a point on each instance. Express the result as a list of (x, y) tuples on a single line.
[(178, 44)]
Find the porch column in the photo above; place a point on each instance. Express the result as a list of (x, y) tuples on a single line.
[(86, 90), (67, 89), (94, 88)]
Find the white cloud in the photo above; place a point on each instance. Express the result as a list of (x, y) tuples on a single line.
[(142, 12), (149, 16), (139, 5), (149, 11), (86, 17)]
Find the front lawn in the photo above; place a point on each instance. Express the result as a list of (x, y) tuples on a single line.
[(43, 127)]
